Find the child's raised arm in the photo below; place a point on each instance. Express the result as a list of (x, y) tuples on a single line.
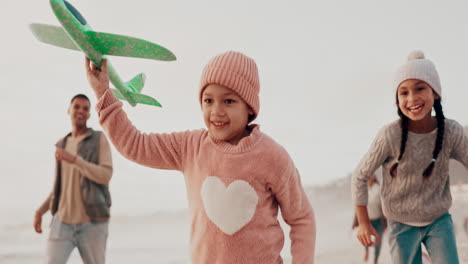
[(162, 151), (98, 79)]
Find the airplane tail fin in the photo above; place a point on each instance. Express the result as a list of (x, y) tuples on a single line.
[(137, 82)]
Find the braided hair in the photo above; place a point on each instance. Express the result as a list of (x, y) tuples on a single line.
[(439, 140)]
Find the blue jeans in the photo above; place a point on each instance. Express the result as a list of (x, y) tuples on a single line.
[(438, 237), (89, 238), (378, 224)]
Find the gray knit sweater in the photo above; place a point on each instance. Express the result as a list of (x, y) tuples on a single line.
[(409, 197)]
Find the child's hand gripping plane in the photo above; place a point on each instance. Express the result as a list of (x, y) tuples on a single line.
[(76, 34)]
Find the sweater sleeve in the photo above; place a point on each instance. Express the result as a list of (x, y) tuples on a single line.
[(160, 151), (100, 173), (298, 214), (460, 147), (372, 160)]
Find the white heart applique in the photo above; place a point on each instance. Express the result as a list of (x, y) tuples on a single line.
[(229, 208)]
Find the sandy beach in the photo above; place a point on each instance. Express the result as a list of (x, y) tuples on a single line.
[(164, 237)]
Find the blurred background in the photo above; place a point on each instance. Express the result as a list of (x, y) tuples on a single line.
[(326, 72)]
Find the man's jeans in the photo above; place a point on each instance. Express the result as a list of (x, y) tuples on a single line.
[(438, 237), (89, 238)]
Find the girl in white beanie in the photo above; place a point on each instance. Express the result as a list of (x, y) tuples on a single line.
[(414, 152)]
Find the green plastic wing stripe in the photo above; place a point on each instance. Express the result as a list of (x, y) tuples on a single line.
[(144, 99), (118, 94), (137, 97), (53, 35), (119, 45)]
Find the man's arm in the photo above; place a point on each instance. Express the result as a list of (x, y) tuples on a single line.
[(100, 173), (40, 212)]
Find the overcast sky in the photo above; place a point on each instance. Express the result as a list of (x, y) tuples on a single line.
[(326, 71)]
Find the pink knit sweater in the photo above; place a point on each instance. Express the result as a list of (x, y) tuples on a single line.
[(234, 191)]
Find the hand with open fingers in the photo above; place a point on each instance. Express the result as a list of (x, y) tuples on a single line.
[(38, 222), (367, 235), (62, 154), (98, 79)]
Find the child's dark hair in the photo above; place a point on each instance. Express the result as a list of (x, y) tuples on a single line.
[(80, 96), (439, 140)]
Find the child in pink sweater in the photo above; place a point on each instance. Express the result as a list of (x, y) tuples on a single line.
[(236, 176)]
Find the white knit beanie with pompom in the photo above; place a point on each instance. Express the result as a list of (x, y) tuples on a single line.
[(420, 68)]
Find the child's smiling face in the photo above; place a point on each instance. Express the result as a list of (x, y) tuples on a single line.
[(225, 113), (416, 99)]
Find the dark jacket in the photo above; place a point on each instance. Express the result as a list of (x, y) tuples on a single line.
[(96, 197)]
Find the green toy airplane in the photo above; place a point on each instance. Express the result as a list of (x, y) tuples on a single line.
[(76, 34)]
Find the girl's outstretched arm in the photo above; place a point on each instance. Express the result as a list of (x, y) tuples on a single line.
[(162, 151), (98, 79)]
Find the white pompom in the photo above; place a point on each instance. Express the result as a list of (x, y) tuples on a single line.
[(416, 55)]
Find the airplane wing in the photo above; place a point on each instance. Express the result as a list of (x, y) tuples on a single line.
[(53, 35), (125, 46), (137, 97)]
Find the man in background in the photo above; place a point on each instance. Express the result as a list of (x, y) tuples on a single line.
[(80, 200)]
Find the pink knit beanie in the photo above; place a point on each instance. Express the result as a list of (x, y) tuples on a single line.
[(237, 72)]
